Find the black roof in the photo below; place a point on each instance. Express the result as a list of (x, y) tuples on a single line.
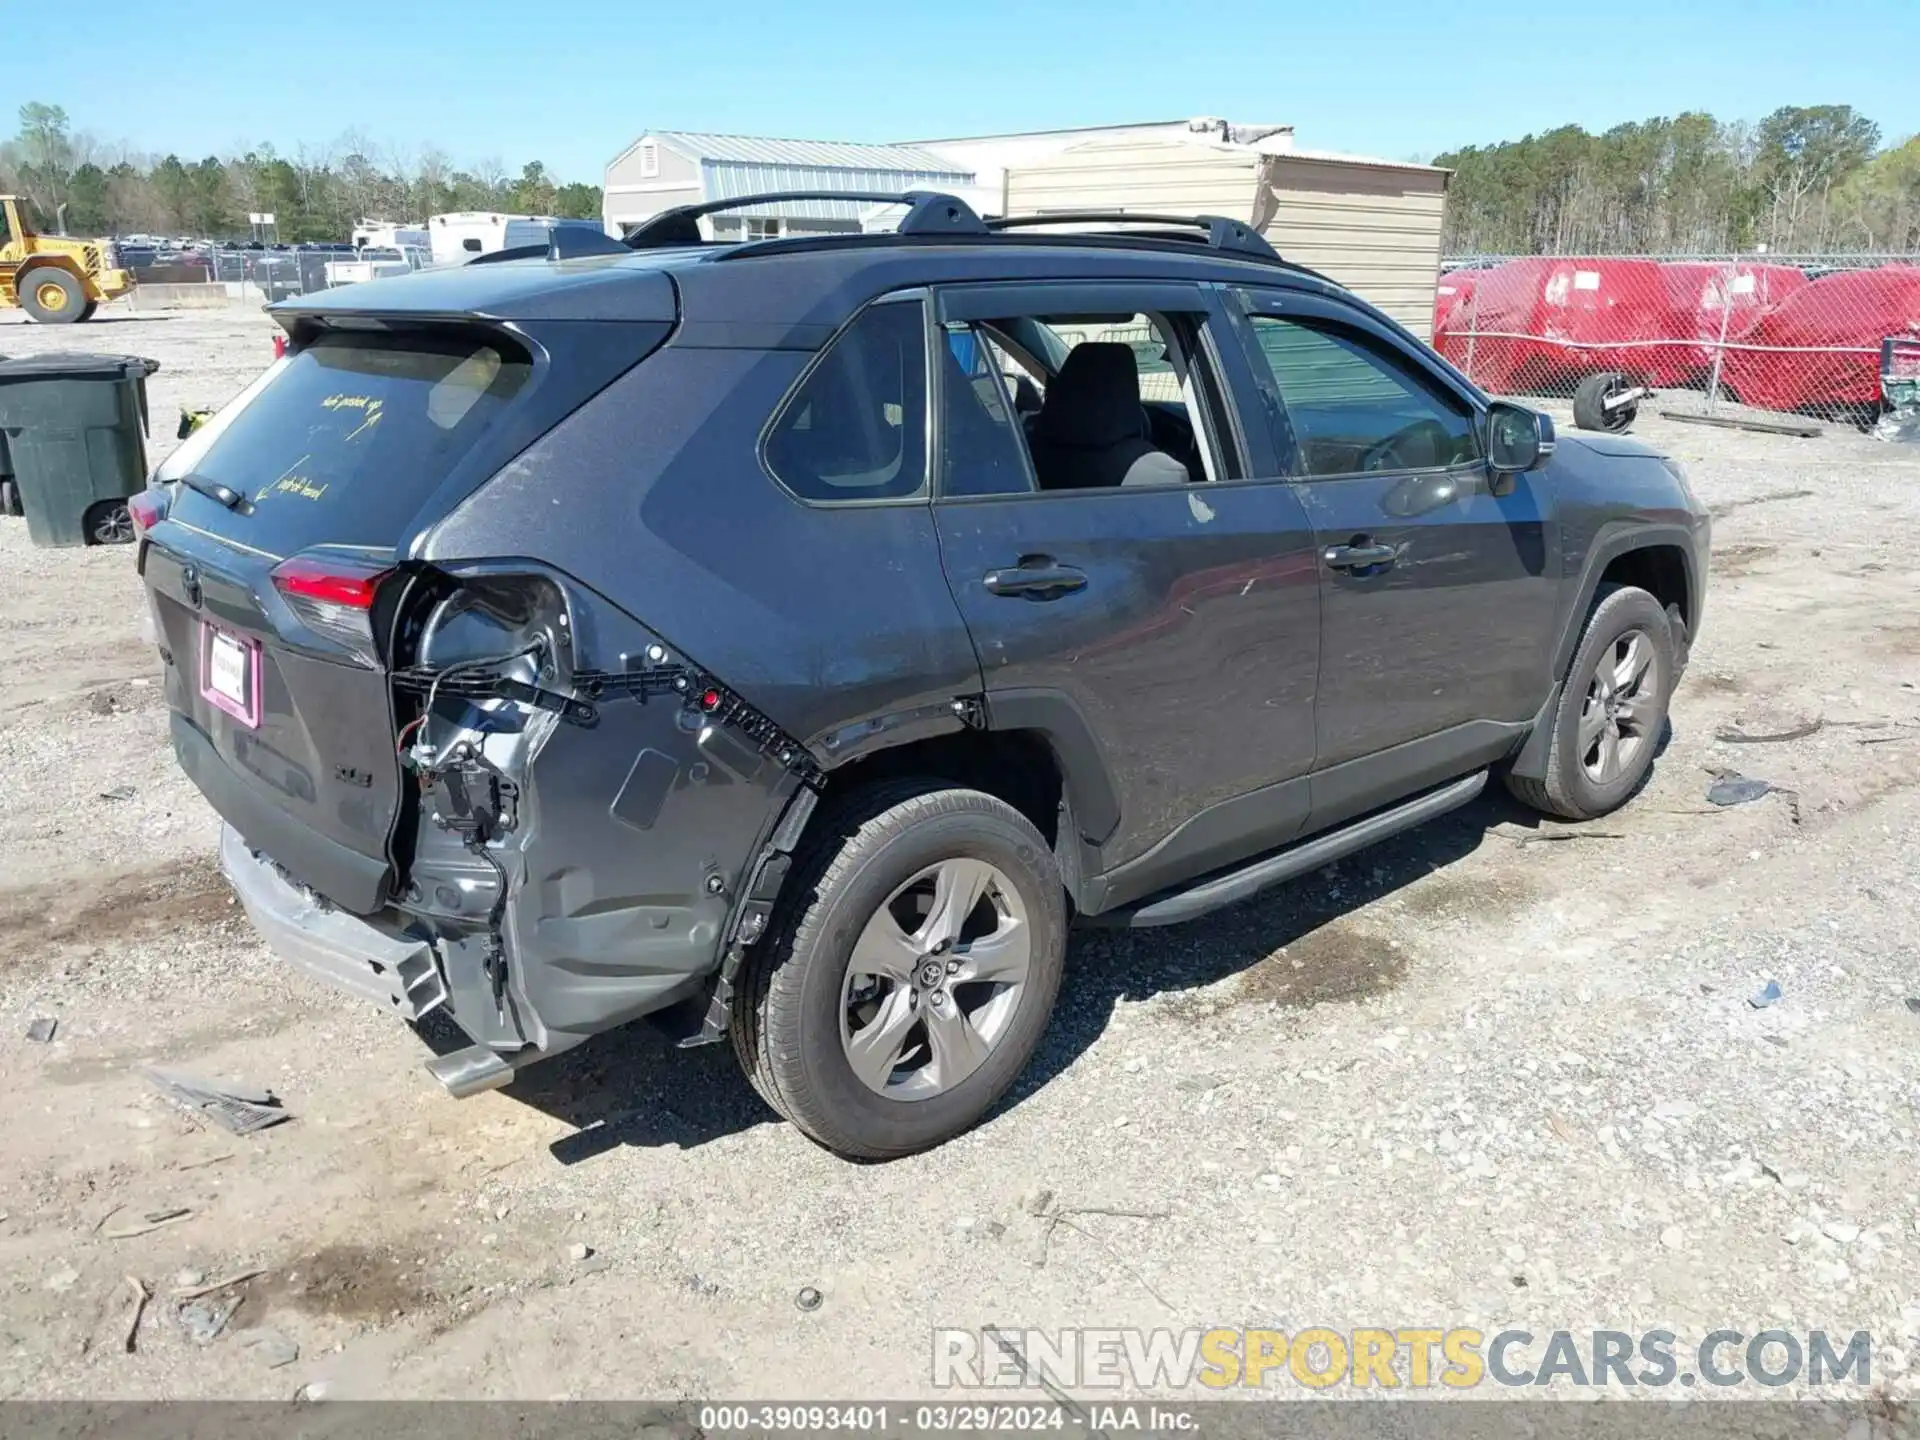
[(805, 284)]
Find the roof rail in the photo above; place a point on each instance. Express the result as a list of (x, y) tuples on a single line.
[(1221, 233), (928, 213)]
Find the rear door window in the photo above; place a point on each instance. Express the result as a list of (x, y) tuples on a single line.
[(345, 440)]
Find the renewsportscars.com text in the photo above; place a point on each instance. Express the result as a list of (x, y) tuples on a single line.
[(1416, 1358)]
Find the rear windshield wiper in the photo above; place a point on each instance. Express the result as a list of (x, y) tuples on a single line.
[(220, 494)]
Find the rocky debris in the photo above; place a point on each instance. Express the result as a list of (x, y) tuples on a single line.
[(272, 1348), (1734, 789), (204, 1320)]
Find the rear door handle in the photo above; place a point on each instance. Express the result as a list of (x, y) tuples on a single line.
[(1036, 577), (1359, 556)]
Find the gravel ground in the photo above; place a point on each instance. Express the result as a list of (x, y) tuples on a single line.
[(1466, 1078)]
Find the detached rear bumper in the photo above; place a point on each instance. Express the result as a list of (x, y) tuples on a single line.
[(395, 970)]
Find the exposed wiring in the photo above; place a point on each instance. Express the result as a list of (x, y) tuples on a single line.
[(487, 663), (400, 743)]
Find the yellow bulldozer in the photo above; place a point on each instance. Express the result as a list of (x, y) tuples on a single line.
[(57, 281)]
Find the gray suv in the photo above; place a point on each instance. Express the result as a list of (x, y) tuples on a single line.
[(817, 627)]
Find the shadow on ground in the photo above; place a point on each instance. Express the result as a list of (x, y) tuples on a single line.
[(634, 1087)]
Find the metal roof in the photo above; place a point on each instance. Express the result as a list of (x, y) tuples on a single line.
[(729, 181), (816, 154)]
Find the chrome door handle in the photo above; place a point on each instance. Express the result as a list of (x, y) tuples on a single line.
[(1358, 557), (1037, 579)]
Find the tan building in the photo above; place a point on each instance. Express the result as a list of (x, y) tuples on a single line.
[(1371, 225)]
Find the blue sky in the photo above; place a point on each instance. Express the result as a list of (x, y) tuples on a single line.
[(573, 83)]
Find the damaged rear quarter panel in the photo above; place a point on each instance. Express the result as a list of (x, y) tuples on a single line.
[(650, 508), (626, 825)]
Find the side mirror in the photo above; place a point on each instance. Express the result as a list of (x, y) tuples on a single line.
[(1517, 438)]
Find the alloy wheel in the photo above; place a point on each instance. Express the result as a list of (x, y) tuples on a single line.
[(1621, 708), (935, 979), (114, 526)]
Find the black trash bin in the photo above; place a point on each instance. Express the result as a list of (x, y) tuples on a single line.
[(9, 499), (73, 429)]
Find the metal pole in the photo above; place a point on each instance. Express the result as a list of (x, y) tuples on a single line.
[(1473, 325), (1720, 349)]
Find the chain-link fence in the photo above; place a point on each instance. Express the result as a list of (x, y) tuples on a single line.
[(1803, 334), (246, 273)]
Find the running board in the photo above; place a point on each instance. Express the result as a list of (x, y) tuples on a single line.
[(1299, 859)]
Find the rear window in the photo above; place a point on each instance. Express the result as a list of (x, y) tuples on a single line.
[(344, 441)]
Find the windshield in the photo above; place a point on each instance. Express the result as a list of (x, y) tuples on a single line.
[(344, 440)]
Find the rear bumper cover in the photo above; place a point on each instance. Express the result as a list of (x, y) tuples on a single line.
[(393, 969), (390, 960)]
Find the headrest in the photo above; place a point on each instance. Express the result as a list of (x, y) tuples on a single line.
[(1095, 399)]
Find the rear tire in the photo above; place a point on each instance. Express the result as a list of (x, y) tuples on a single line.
[(1586, 775), (51, 295), (867, 885), (1590, 411), (88, 310), (9, 499)]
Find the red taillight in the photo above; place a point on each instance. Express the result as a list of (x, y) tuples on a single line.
[(336, 582), (333, 596), (147, 510)]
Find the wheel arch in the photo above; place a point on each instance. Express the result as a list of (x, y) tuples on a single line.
[(48, 262), (1656, 558), (1036, 752)]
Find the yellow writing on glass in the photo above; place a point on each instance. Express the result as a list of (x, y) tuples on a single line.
[(292, 483), (368, 405)]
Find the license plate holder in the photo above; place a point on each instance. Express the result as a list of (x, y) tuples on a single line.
[(230, 673)]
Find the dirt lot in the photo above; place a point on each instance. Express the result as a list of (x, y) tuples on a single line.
[(1468, 1078)]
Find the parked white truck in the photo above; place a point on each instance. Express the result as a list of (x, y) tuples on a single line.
[(376, 262)]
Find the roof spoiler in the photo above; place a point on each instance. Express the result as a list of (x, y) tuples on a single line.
[(566, 242), (928, 213)]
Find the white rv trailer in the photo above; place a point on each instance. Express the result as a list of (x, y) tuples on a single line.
[(387, 235), (457, 238)]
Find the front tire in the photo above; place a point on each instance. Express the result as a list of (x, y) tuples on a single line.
[(911, 972), (51, 295), (1612, 711)]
